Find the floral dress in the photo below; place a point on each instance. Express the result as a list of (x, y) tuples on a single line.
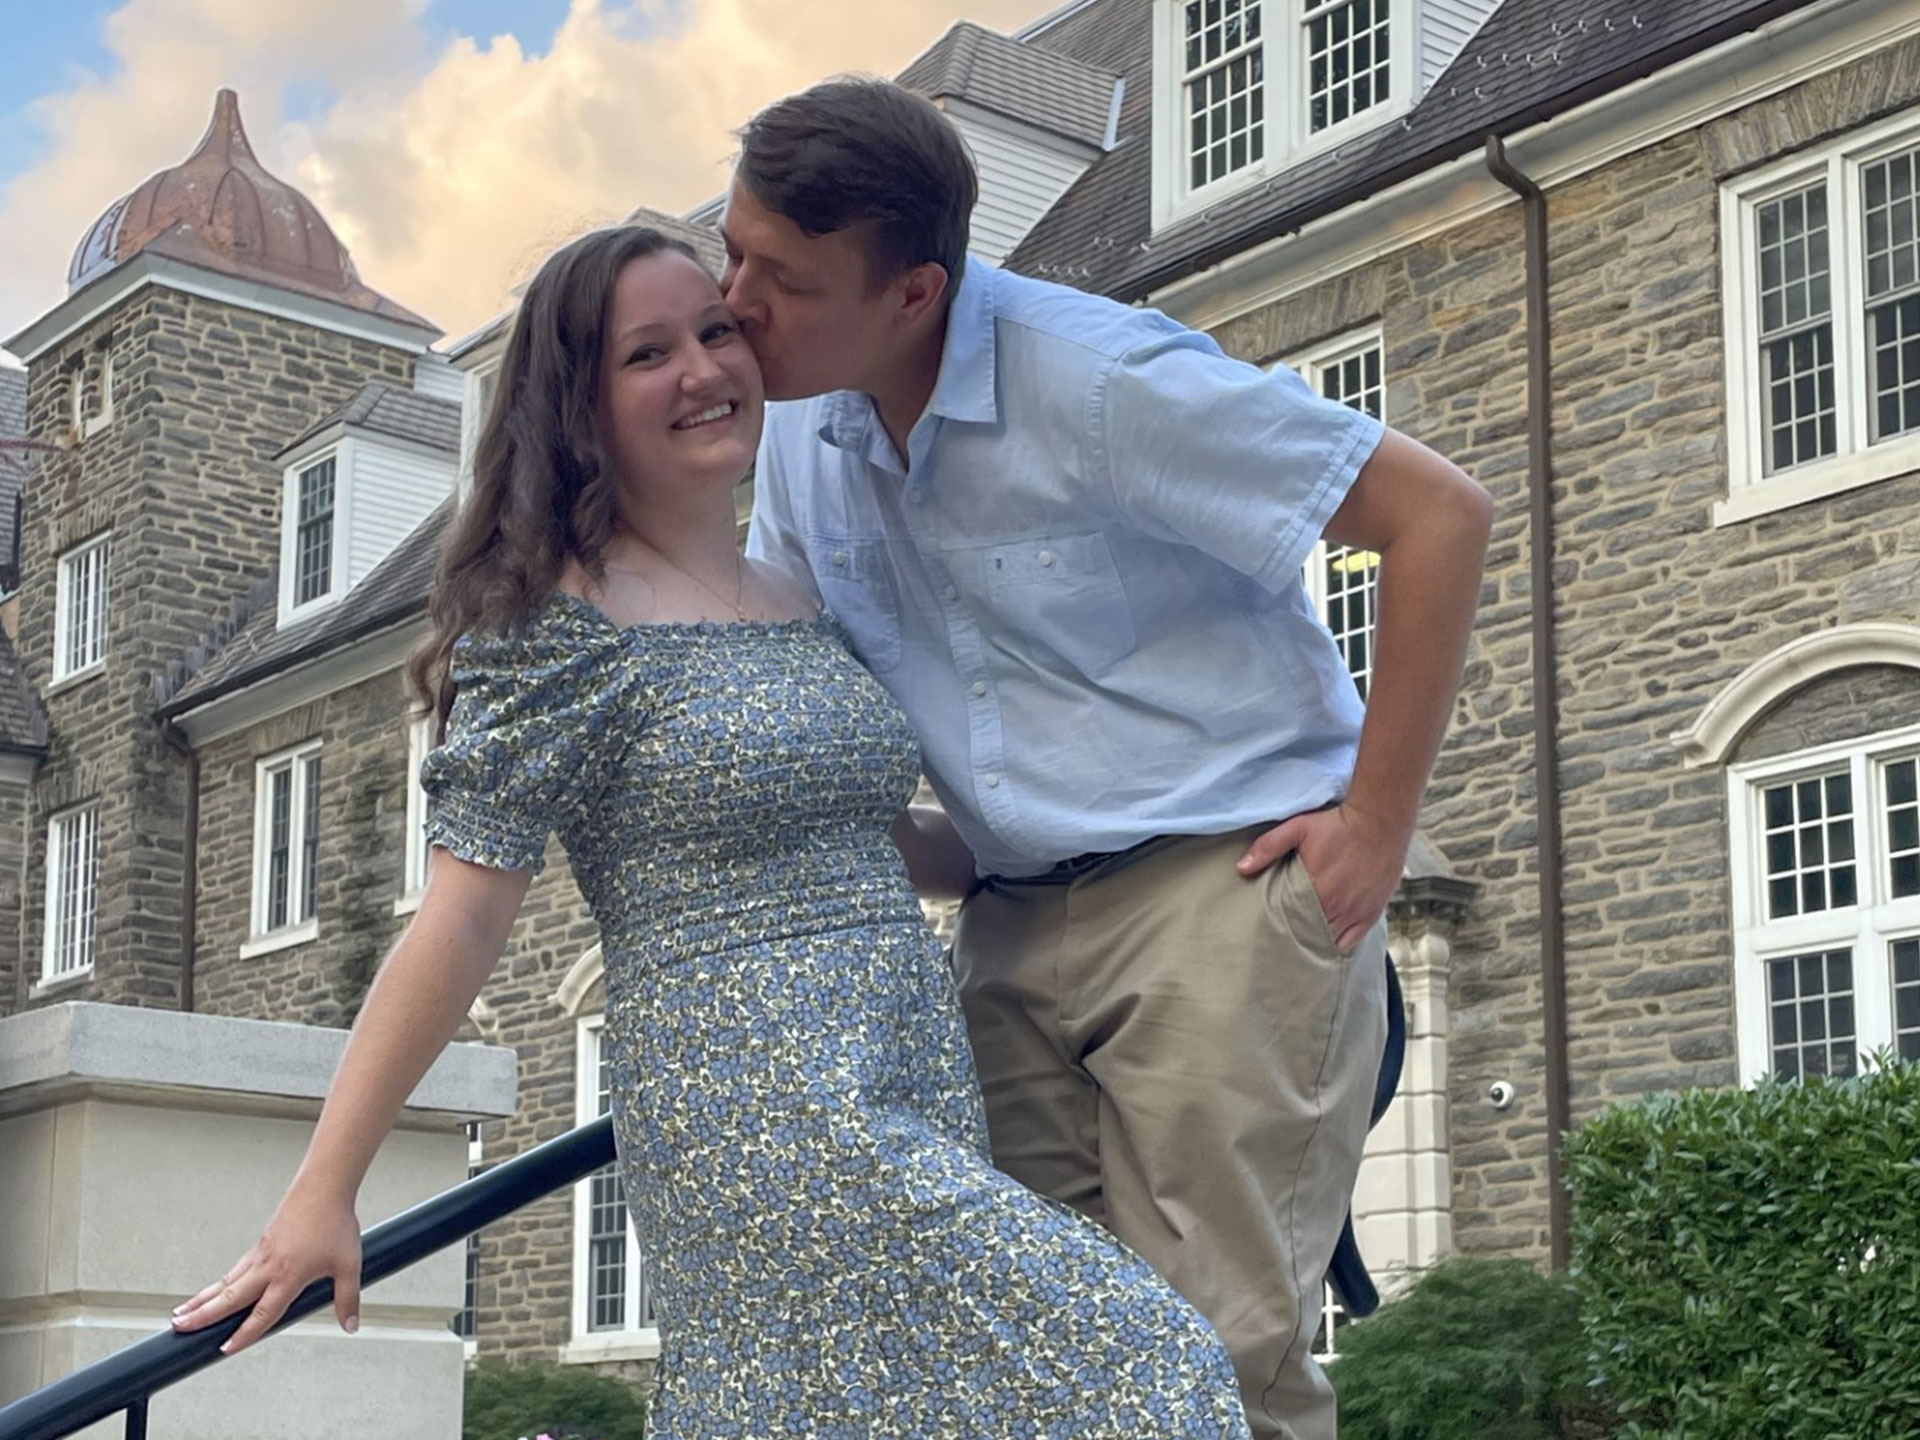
[(800, 1129)]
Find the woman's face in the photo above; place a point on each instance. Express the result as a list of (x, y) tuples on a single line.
[(680, 403)]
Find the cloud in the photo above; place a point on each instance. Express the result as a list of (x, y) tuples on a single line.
[(448, 172)]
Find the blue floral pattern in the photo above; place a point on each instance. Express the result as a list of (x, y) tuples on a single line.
[(800, 1128)]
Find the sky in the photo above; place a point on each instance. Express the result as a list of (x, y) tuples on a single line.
[(450, 143)]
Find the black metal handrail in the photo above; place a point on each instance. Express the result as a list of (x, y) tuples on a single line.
[(127, 1380)]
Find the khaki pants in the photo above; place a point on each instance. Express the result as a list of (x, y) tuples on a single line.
[(1182, 1054)]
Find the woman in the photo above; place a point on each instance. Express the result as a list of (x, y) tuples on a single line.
[(800, 1128)]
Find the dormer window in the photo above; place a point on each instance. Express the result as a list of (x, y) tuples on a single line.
[(1225, 88), (1247, 88), (309, 546), (1348, 44)]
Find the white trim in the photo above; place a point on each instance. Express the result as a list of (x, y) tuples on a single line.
[(1865, 928), (587, 1346), (314, 679), (291, 612), (95, 299), (296, 931), (1313, 365), (282, 939), (1770, 679), (1835, 166), (57, 884), (473, 414), (63, 606), (579, 980), (103, 417), (413, 871), (1286, 141), (1763, 62)]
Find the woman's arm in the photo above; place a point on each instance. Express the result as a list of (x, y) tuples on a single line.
[(938, 861), (415, 1005)]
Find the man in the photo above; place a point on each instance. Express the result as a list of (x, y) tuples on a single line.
[(1068, 536)]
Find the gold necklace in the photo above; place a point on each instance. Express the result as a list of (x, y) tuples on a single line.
[(739, 579)]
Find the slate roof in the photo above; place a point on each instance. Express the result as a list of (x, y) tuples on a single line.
[(23, 724), (404, 414), (14, 464), (1047, 89), (1532, 60), (256, 648)]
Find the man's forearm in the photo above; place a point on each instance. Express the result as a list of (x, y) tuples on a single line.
[(1429, 589)]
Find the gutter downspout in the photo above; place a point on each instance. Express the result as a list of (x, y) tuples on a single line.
[(190, 863), (1546, 708)]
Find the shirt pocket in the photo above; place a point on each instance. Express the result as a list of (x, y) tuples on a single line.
[(855, 578), (1061, 594)]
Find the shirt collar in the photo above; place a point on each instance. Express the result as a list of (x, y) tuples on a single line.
[(966, 388)]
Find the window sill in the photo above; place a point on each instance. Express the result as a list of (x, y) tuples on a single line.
[(76, 678), (60, 984), (284, 939), (605, 1349), (408, 903), (1821, 481)]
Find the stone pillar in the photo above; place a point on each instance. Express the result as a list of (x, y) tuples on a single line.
[(1403, 1203), (141, 1152)]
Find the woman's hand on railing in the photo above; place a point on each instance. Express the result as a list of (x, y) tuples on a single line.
[(306, 1240)]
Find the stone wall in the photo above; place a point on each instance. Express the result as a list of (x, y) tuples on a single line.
[(1656, 610), (205, 394)]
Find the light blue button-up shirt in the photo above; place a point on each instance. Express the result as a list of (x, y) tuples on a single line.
[(1084, 586)]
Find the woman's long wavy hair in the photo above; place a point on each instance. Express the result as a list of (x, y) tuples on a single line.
[(542, 490)]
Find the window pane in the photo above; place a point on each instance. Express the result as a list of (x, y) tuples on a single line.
[(1809, 845), (310, 840), (1224, 88), (1796, 340), (1888, 203), (1893, 365), (1905, 956), (1903, 829), (313, 537), (1348, 55), (1810, 1005), (279, 845)]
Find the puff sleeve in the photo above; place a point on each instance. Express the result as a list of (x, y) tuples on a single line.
[(524, 751)]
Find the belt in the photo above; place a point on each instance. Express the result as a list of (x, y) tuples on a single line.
[(1067, 871)]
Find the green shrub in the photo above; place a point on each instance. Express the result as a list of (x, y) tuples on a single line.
[(507, 1402), (1749, 1260), (1475, 1350)]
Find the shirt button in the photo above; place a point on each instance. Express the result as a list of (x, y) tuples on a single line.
[(993, 782), (1046, 557), (840, 558), (951, 593), (916, 496), (979, 687)]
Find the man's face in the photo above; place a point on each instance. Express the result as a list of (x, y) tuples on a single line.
[(805, 303)]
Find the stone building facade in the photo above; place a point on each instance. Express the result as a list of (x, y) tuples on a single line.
[(1726, 629)]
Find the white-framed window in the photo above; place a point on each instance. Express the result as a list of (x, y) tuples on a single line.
[(80, 609), (413, 879), (613, 1303), (482, 384), (72, 882), (286, 847), (466, 1320), (1333, 1319), (314, 491), (102, 416), (1243, 88), (1821, 271), (1826, 904), (1344, 583)]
